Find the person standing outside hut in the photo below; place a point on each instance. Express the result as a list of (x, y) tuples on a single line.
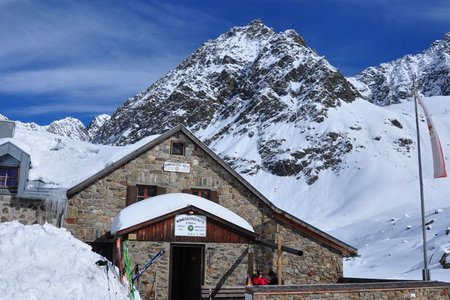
[(259, 279)]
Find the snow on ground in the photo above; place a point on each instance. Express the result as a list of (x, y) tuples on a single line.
[(44, 262)]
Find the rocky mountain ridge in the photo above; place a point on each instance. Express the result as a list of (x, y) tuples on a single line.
[(250, 73), (69, 127), (241, 84), (392, 82)]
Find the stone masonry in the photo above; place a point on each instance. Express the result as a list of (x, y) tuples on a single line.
[(26, 211), (90, 213), (362, 291)]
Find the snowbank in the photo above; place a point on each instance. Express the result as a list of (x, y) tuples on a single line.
[(44, 262), (160, 205)]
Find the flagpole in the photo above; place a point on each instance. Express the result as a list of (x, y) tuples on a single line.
[(425, 270)]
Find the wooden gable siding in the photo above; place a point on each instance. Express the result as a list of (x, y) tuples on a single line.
[(215, 233)]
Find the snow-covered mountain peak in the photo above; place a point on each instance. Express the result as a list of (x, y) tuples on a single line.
[(247, 78), (96, 124), (392, 82), (69, 127)]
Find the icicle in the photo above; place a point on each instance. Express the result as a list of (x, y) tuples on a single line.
[(56, 205)]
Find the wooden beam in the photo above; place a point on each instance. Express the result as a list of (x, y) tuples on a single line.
[(119, 258), (250, 262), (280, 259)]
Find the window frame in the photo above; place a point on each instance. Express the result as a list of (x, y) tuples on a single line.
[(198, 192), (147, 189), (172, 148), (4, 178)]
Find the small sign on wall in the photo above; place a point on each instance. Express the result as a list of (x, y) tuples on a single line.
[(177, 167), (190, 225)]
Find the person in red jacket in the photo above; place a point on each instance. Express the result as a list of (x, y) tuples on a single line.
[(260, 280)]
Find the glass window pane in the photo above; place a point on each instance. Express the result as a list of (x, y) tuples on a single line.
[(11, 182), (151, 191), (177, 149)]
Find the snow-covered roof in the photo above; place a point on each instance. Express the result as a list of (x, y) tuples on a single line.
[(60, 162), (158, 206)]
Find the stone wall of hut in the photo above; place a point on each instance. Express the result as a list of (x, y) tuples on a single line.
[(91, 211)]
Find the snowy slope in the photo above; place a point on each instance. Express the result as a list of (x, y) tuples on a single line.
[(44, 262), (374, 199)]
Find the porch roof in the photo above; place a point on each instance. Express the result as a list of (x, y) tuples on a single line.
[(161, 205)]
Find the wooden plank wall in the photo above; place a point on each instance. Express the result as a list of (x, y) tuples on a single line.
[(215, 233)]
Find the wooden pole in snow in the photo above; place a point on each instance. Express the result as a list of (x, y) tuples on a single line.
[(119, 258)]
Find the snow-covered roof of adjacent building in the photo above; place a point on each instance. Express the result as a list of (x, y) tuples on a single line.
[(60, 162), (158, 206)]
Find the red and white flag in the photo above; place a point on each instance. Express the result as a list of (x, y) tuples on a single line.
[(436, 148)]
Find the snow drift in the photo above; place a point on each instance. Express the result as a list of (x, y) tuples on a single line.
[(44, 262)]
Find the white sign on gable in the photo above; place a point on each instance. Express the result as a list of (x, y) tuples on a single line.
[(190, 225), (177, 167)]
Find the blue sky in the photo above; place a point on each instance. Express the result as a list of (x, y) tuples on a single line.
[(83, 58)]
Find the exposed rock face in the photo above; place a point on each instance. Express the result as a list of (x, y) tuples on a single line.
[(250, 74), (69, 127), (95, 125), (237, 85), (392, 82)]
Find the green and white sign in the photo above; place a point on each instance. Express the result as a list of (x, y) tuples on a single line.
[(190, 225)]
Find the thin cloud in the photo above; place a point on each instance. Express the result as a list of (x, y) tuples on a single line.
[(404, 11), (105, 52), (86, 82), (68, 107), (36, 35)]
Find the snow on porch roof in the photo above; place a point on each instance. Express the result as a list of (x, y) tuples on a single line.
[(157, 206)]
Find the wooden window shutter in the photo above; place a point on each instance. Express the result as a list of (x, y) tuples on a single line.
[(160, 190), (132, 192), (214, 196), (187, 191)]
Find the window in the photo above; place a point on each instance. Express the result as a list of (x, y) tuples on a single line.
[(138, 192), (204, 193), (9, 177), (177, 148), (146, 191), (201, 193)]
